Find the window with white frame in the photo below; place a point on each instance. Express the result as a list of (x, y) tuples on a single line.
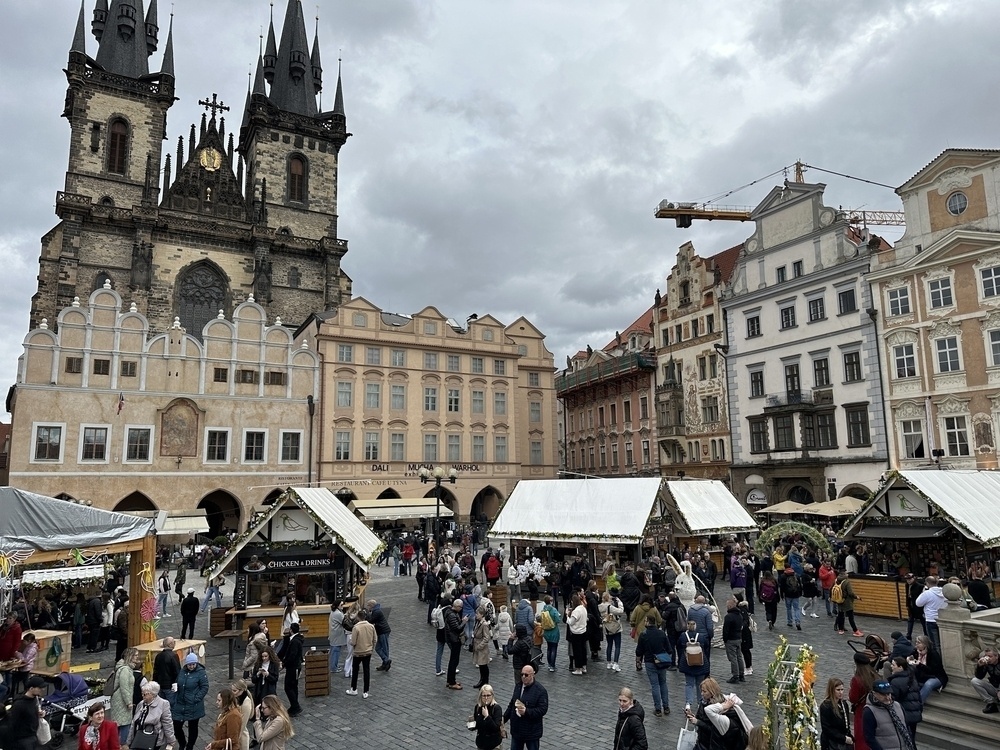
[(535, 455), (905, 361), (940, 292), (499, 403), (535, 411), (710, 409), (534, 380), (454, 448), (48, 442), (373, 395), (956, 433), (991, 281), (753, 326), (342, 445), (430, 361), (947, 354), (291, 446), (345, 353), (398, 357), (477, 365), (500, 448), (216, 446), (899, 301), (479, 402), (995, 347), (397, 446), (373, 355), (397, 397), (454, 363), (373, 442), (94, 443), (430, 399), (912, 433), (478, 447), (454, 400), (499, 367), (817, 309), (254, 446), (137, 442), (645, 452), (430, 447), (345, 394), (787, 315)]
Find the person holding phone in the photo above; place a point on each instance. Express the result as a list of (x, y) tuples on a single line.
[(272, 725)]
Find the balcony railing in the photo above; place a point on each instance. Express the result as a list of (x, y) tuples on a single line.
[(790, 398), (671, 430), (604, 371)]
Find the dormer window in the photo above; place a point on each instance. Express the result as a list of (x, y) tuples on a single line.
[(297, 179), (117, 147)]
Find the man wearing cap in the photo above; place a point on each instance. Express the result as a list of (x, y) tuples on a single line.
[(189, 613), (25, 714), (883, 721), (189, 703), (528, 706), (166, 668)]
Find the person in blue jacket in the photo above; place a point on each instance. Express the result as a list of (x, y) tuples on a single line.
[(189, 701)]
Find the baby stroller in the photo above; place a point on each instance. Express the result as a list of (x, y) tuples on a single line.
[(874, 648), (63, 718)]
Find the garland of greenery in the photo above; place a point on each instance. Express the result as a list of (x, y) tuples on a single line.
[(770, 693), (789, 699), (775, 533)]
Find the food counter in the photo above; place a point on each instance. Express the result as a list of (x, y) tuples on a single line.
[(314, 619)]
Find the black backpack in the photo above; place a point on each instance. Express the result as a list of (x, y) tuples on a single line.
[(793, 588)]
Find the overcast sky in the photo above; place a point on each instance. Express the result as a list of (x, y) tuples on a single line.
[(507, 155)]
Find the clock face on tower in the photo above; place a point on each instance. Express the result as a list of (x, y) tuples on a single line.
[(210, 159)]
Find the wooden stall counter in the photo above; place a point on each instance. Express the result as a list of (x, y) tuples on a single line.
[(314, 619), (55, 651), (880, 596)]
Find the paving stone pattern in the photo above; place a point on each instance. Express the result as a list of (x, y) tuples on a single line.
[(409, 703)]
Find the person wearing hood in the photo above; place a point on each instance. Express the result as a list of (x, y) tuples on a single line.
[(884, 722), (189, 701), (524, 614), (932, 600), (631, 590), (520, 650), (901, 646), (630, 732)]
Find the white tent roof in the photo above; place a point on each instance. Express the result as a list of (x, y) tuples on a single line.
[(707, 506), (579, 510), (967, 498), (395, 508)]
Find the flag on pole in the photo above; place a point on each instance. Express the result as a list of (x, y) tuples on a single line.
[(121, 402)]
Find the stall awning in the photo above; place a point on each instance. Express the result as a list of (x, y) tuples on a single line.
[(966, 499), (785, 508), (176, 523), (76, 575), (706, 506), (614, 511), (392, 509), (876, 531)]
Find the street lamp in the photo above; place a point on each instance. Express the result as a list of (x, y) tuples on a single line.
[(438, 474)]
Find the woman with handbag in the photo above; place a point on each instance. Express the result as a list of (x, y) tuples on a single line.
[(272, 726), (98, 733), (835, 717), (487, 720), (152, 726), (577, 619), (229, 725), (481, 636), (693, 664)]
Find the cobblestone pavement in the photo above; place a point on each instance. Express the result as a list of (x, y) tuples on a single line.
[(409, 702)]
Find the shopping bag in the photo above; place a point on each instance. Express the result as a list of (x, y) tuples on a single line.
[(44, 733), (687, 738)]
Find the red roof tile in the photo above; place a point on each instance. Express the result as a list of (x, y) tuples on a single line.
[(642, 323)]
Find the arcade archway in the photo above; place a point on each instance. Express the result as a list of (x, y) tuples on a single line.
[(388, 494), (222, 511), (135, 501), (485, 505)]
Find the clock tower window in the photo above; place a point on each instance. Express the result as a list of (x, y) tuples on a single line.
[(117, 147), (297, 179)]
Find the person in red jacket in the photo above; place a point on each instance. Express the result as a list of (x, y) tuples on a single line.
[(827, 577), (493, 569), (10, 642), (98, 733)]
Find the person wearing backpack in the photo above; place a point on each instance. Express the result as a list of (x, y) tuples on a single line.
[(549, 618), (827, 578), (791, 590), (845, 607), (768, 595), (122, 687), (611, 610)]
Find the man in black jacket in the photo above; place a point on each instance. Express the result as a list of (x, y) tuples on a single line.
[(189, 613), (732, 636), (528, 706), (454, 625), (986, 683), (24, 715), (292, 662), (651, 643), (92, 619), (630, 732), (166, 667), (914, 614), (377, 618)]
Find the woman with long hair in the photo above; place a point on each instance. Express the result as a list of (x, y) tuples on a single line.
[(861, 685), (272, 726), (576, 621), (98, 733), (928, 667), (256, 639), (481, 636), (715, 716), (290, 615), (265, 674), (488, 716), (229, 725), (126, 694), (835, 717), (245, 703)]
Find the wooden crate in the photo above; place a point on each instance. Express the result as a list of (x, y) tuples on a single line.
[(317, 673), (499, 596), (55, 651), (219, 620)]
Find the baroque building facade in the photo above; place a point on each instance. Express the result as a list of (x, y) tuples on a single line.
[(803, 360), (692, 415), (938, 292), (402, 392), (608, 400)]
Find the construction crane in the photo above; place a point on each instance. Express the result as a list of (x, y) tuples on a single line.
[(685, 213)]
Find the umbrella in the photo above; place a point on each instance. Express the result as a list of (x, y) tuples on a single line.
[(786, 508), (843, 506)]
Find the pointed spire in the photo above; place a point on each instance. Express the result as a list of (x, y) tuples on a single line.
[(80, 36), (222, 128), (125, 39), (180, 152), (271, 51), (317, 66), (167, 69), (190, 142), (100, 19), (152, 29), (229, 148), (292, 89), (239, 172), (167, 171), (259, 77), (204, 128), (338, 102)]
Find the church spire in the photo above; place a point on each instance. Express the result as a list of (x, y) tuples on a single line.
[(152, 29), (167, 69), (317, 66), (124, 39), (271, 51), (338, 101), (80, 36), (292, 89)]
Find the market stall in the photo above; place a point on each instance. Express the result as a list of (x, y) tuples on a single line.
[(36, 530), (930, 522), (702, 512), (307, 543)]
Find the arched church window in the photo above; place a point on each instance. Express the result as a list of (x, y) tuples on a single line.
[(117, 147), (297, 179), (107, 200), (293, 277), (100, 279), (202, 292)]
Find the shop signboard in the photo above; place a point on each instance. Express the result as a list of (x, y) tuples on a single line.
[(905, 503)]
